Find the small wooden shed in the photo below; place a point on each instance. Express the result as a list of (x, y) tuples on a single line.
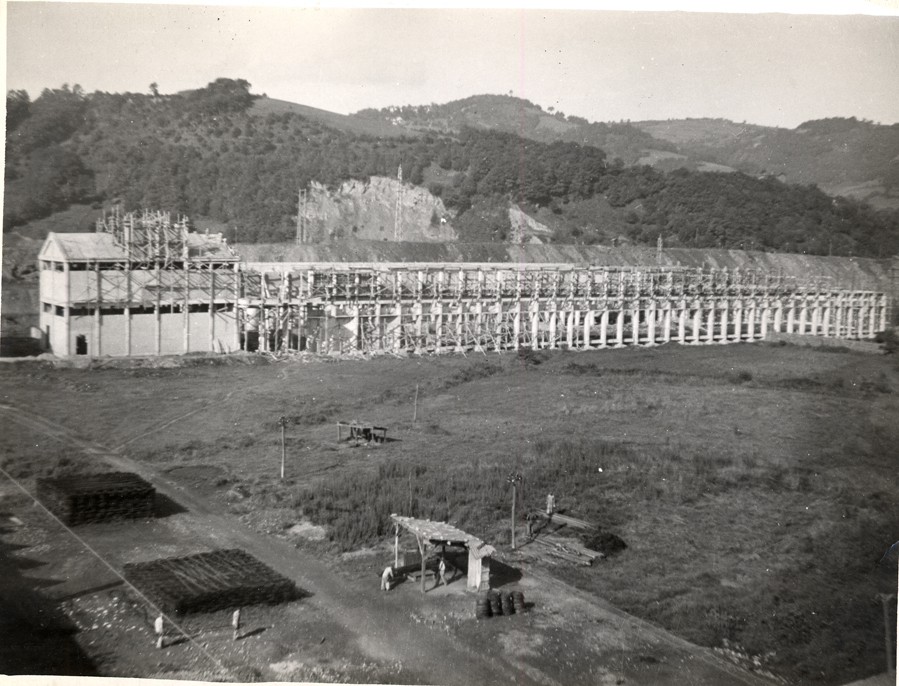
[(430, 533)]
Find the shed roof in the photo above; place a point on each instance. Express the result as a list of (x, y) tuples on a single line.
[(441, 532)]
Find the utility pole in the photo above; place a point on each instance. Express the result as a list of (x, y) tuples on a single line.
[(398, 225), (283, 424), (515, 480)]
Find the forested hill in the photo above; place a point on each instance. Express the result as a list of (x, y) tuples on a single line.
[(842, 156), (223, 155)]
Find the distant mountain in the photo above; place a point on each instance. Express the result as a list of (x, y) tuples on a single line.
[(473, 169), (844, 157), (522, 118)]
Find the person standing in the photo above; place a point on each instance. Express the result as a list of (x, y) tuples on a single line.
[(442, 570), (386, 578), (550, 504)]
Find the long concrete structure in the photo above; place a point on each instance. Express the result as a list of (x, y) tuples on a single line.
[(144, 285), (451, 307)]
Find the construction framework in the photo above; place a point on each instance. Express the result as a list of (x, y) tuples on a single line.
[(143, 284), (345, 308)]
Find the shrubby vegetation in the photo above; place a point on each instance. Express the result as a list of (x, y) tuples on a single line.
[(210, 153)]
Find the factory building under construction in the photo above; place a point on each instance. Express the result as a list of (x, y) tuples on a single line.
[(142, 284)]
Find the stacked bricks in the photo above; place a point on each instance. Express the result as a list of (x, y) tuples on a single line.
[(208, 582), (96, 497)]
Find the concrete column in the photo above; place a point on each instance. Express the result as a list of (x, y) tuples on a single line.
[(825, 320), (791, 317), (437, 312), (710, 323), (460, 327), (651, 323), (604, 328), (635, 323), (98, 323), (158, 331), (666, 322), (379, 332), (516, 326), (235, 335), (552, 327), (569, 328), (682, 324), (356, 327), (128, 309), (839, 323), (872, 326), (778, 316), (738, 322), (816, 318), (67, 310), (697, 320), (263, 328), (418, 312), (211, 308), (750, 323), (589, 320), (479, 318), (619, 328), (725, 317), (883, 313), (803, 318)]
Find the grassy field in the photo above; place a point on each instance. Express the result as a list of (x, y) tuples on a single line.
[(755, 485)]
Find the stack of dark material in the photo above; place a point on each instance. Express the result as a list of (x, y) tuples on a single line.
[(96, 497), (208, 582)]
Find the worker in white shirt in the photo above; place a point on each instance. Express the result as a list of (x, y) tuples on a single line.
[(386, 578), (442, 571)]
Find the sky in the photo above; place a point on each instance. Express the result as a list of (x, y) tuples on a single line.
[(774, 68)]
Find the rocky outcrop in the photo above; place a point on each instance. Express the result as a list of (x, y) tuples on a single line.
[(368, 211), (526, 229)]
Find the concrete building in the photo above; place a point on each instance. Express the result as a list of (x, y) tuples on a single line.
[(143, 285)]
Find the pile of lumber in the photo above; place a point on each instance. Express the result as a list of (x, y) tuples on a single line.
[(96, 497), (569, 550), (208, 582)]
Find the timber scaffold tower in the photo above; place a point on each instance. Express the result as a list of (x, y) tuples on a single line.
[(402, 307)]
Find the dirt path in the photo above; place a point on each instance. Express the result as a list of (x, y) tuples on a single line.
[(380, 623)]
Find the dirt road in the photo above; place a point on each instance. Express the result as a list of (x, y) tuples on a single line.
[(568, 636)]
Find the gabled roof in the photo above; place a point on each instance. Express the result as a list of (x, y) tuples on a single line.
[(91, 247), (441, 532), (81, 247)]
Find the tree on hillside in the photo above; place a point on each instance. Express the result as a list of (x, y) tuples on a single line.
[(18, 105), (54, 116)]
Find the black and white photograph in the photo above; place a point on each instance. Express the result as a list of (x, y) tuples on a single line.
[(463, 345)]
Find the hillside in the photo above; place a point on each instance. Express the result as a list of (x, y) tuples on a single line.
[(522, 118), (843, 157), (474, 170)]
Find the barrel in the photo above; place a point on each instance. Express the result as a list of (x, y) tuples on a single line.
[(518, 601)]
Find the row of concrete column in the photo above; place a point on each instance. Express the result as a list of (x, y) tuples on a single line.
[(550, 324)]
